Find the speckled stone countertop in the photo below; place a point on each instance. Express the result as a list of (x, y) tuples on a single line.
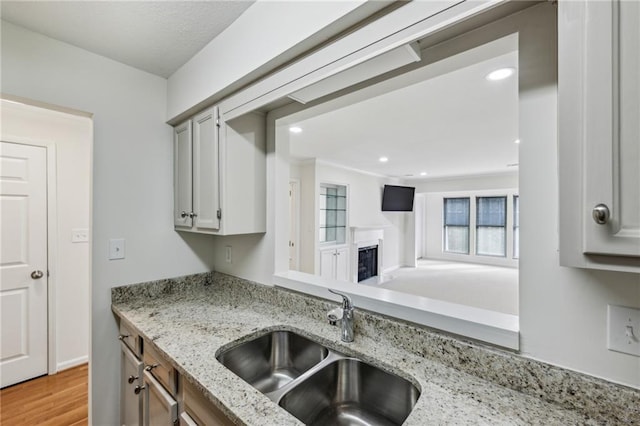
[(191, 319)]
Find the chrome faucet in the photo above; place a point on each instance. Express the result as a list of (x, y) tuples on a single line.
[(345, 315)]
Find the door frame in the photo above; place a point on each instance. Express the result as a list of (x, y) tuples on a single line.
[(294, 187), (52, 241)]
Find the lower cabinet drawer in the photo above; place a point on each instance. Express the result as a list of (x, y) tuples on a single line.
[(199, 410), (160, 369)]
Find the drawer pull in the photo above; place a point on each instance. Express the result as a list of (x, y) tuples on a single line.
[(150, 367), (138, 389), (122, 337), (132, 379)]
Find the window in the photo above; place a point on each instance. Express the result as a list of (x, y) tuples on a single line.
[(333, 213), (456, 225), (491, 226), (516, 227)]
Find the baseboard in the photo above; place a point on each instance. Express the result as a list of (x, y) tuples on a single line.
[(390, 269), (65, 365)]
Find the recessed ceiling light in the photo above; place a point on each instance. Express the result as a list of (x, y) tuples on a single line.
[(383, 159), (516, 141), (295, 129), (423, 173), (500, 74)]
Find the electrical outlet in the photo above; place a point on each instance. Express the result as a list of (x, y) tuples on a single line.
[(623, 329), (228, 254), (116, 248), (79, 235)]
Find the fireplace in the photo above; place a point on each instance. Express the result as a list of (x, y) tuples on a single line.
[(366, 252), (367, 262)]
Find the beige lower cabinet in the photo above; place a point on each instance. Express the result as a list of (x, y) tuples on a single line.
[(153, 394), (131, 383), (196, 409)]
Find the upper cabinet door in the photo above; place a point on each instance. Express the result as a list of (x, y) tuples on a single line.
[(612, 129), (182, 176), (206, 170), (599, 131)]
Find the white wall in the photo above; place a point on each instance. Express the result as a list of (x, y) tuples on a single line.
[(468, 183), (263, 32), (132, 180), (72, 137)]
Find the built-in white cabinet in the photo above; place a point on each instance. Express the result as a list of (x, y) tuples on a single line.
[(220, 174), (599, 134), (334, 263)]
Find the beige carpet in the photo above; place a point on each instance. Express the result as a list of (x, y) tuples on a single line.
[(487, 287)]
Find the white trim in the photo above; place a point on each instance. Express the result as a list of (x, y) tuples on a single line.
[(73, 363), (488, 326), (404, 25), (352, 169), (52, 241)]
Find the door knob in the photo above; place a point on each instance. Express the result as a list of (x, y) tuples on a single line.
[(36, 275), (601, 214)]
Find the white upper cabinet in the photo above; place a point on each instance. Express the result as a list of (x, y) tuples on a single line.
[(182, 176), (599, 119), (206, 172), (220, 174)]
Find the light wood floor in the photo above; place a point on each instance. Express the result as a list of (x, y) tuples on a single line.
[(60, 399)]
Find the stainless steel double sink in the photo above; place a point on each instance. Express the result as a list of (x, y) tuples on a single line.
[(318, 385)]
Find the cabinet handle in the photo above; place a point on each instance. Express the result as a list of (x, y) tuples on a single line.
[(192, 215), (150, 367), (132, 379), (601, 214), (138, 389), (184, 214), (122, 337)]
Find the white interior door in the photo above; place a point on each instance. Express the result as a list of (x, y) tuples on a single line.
[(293, 225), (23, 262)]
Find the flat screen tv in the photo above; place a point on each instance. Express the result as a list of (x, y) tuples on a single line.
[(397, 198)]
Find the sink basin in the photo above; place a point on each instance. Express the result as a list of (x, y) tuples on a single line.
[(351, 392), (271, 361)]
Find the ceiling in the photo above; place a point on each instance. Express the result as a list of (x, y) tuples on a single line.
[(154, 36), (445, 120)]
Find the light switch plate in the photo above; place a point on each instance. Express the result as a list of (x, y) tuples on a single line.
[(623, 329), (79, 235), (116, 248)]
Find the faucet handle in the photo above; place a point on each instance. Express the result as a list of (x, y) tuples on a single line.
[(346, 300)]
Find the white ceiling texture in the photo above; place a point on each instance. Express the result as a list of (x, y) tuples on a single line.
[(154, 36), (445, 120)]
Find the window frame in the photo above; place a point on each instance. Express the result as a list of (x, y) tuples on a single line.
[(505, 198), (445, 234), (515, 241)]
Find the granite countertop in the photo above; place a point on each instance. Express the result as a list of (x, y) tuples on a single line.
[(191, 320)]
